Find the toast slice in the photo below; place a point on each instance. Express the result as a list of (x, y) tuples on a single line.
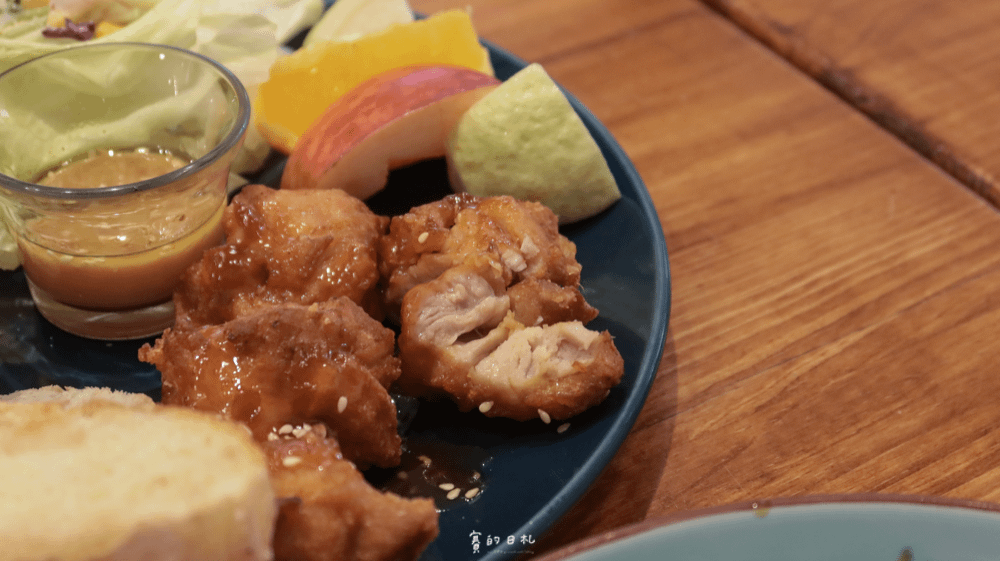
[(74, 397), (100, 475)]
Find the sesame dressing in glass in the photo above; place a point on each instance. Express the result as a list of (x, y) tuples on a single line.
[(141, 248), (114, 166), (105, 168)]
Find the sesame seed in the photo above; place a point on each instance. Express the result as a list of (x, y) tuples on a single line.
[(485, 406), (285, 429), (291, 461), (341, 404), (402, 475), (454, 493), (299, 432), (471, 493), (272, 436), (422, 237), (544, 417), (446, 486), (425, 460), (563, 428)]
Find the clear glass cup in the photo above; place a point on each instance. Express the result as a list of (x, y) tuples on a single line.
[(102, 262)]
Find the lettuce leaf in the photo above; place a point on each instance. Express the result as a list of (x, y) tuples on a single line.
[(289, 16), (167, 22), (244, 35)]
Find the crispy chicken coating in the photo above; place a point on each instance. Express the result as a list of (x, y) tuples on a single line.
[(285, 246), (491, 313), (277, 329), (543, 302), (519, 239), (290, 364), (329, 512)]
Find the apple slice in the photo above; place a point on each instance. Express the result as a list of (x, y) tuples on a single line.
[(392, 120)]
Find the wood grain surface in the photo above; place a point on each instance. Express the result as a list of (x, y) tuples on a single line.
[(835, 293), (926, 70)]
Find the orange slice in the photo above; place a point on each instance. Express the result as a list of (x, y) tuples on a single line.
[(302, 85)]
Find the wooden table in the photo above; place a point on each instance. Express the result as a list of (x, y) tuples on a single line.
[(825, 174)]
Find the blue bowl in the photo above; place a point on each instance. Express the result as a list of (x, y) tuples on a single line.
[(821, 528)]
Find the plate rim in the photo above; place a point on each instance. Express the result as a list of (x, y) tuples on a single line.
[(573, 490)]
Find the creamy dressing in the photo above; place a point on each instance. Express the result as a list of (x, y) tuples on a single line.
[(107, 168), (126, 253)]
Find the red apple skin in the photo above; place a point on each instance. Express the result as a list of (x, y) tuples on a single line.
[(392, 120)]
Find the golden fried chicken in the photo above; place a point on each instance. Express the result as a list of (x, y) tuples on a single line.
[(461, 337), (287, 365), (520, 239), (491, 313), (329, 512), (543, 302), (285, 246)]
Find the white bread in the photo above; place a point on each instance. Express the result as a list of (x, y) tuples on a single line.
[(104, 475), (73, 397)]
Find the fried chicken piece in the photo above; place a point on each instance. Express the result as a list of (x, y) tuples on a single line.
[(543, 302), (285, 246), (330, 512), (491, 312), (460, 337), (520, 239), (290, 364)]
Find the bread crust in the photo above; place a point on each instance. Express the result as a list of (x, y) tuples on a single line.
[(90, 477)]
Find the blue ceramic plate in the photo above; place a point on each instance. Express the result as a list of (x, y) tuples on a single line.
[(531, 474), (855, 528)]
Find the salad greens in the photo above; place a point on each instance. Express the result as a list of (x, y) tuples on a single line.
[(244, 35)]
